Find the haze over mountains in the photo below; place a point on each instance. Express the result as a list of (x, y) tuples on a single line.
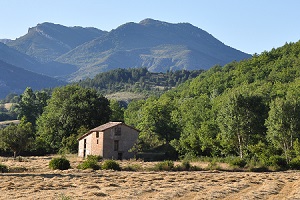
[(15, 80), (75, 53)]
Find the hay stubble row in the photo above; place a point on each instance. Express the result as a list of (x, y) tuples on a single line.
[(42, 183)]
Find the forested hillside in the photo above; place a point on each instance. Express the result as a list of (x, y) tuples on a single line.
[(138, 80), (249, 109)]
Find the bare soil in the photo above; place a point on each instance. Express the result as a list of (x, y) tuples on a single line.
[(32, 179)]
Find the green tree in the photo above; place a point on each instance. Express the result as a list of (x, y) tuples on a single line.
[(16, 137), (241, 122), (283, 124), (69, 109), (157, 118), (31, 105), (198, 130), (117, 111)]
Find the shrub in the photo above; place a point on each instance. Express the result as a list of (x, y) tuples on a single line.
[(59, 163), (185, 166), (259, 169), (277, 162), (238, 162), (94, 157), (166, 165), (213, 165), (90, 163), (295, 163), (132, 167), (3, 168), (111, 164)]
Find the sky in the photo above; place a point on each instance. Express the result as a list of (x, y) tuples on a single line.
[(251, 26)]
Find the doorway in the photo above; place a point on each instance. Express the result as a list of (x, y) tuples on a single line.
[(84, 148), (120, 156)]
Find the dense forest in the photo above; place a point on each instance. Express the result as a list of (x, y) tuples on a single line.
[(138, 80), (248, 109)]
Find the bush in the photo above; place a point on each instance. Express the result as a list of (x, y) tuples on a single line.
[(111, 164), (278, 163), (3, 168), (132, 167), (295, 163), (166, 165), (94, 157), (90, 163), (185, 166), (213, 165), (59, 163), (259, 169), (238, 162)]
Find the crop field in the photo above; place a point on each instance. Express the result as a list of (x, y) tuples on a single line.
[(31, 178)]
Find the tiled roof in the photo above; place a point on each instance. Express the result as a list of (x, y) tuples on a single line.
[(103, 127)]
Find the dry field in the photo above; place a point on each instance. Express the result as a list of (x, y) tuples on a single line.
[(39, 182)]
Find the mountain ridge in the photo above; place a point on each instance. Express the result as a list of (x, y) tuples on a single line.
[(147, 36), (79, 53), (15, 80), (47, 41)]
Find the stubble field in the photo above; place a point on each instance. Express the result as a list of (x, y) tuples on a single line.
[(39, 182)]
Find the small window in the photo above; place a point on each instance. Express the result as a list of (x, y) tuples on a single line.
[(97, 135), (116, 145), (118, 131), (97, 141)]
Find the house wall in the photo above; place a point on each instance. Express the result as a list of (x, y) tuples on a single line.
[(106, 143), (88, 146), (126, 140), (92, 147), (97, 144)]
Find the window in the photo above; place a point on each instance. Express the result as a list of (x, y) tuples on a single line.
[(97, 134), (116, 145), (118, 131)]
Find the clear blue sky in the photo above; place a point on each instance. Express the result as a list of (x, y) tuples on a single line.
[(251, 26)]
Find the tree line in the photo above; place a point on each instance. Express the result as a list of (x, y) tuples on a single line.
[(52, 122), (249, 109), (138, 80)]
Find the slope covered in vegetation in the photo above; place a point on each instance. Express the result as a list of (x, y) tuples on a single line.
[(249, 109), (138, 80)]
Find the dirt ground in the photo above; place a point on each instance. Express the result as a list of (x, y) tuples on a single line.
[(39, 182)]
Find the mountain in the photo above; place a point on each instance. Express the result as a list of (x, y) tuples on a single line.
[(15, 80), (48, 41), (157, 45), (5, 41), (18, 59)]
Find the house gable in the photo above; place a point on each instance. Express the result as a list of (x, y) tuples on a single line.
[(111, 140)]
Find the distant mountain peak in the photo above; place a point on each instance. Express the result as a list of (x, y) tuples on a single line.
[(153, 22)]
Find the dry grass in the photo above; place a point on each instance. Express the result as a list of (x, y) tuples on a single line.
[(39, 182)]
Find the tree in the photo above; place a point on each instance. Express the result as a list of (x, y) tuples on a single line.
[(157, 118), (198, 129), (283, 124), (31, 105), (241, 122), (16, 137), (117, 111), (69, 109)]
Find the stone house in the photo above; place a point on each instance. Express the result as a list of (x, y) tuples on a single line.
[(111, 141)]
